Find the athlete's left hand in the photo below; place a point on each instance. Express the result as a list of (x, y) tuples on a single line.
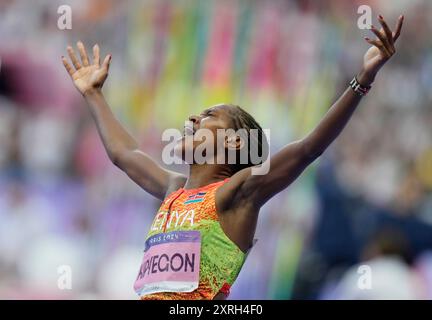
[(383, 48)]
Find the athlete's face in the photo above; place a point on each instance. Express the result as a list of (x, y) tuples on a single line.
[(201, 131)]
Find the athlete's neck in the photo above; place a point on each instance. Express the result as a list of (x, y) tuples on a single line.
[(201, 175)]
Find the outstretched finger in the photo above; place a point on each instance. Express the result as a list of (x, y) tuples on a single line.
[(379, 45), (398, 28), (83, 54), (381, 37), (386, 29), (106, 62), (73, 57), (96, 55), (67, 66)]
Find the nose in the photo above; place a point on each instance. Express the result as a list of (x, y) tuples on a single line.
[(194, 119)]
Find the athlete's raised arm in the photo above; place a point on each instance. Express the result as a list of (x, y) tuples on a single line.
[(288, 163), (121, 147)]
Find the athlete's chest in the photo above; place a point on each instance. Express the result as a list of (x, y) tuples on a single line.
[(184, 211)]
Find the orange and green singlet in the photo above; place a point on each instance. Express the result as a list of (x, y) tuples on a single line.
[(187, 255)]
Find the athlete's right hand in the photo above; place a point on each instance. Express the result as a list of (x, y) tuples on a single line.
[(87, 76)]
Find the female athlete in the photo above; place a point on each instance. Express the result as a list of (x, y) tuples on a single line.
[(205, 226)]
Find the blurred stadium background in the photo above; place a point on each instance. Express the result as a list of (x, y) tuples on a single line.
[(366, 201)]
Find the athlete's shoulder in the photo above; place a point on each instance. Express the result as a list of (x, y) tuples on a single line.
[(233, 192)]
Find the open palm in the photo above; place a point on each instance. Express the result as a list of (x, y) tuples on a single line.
[(87, 76), (382, 47)]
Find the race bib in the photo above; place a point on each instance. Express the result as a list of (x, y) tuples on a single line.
[(171, 263)]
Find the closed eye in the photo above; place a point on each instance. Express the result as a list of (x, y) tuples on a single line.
[(208, 113)]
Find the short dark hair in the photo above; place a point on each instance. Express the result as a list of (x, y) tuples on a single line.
[(242, 119)]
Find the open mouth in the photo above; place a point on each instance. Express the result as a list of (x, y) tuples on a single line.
[(188, 130)]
